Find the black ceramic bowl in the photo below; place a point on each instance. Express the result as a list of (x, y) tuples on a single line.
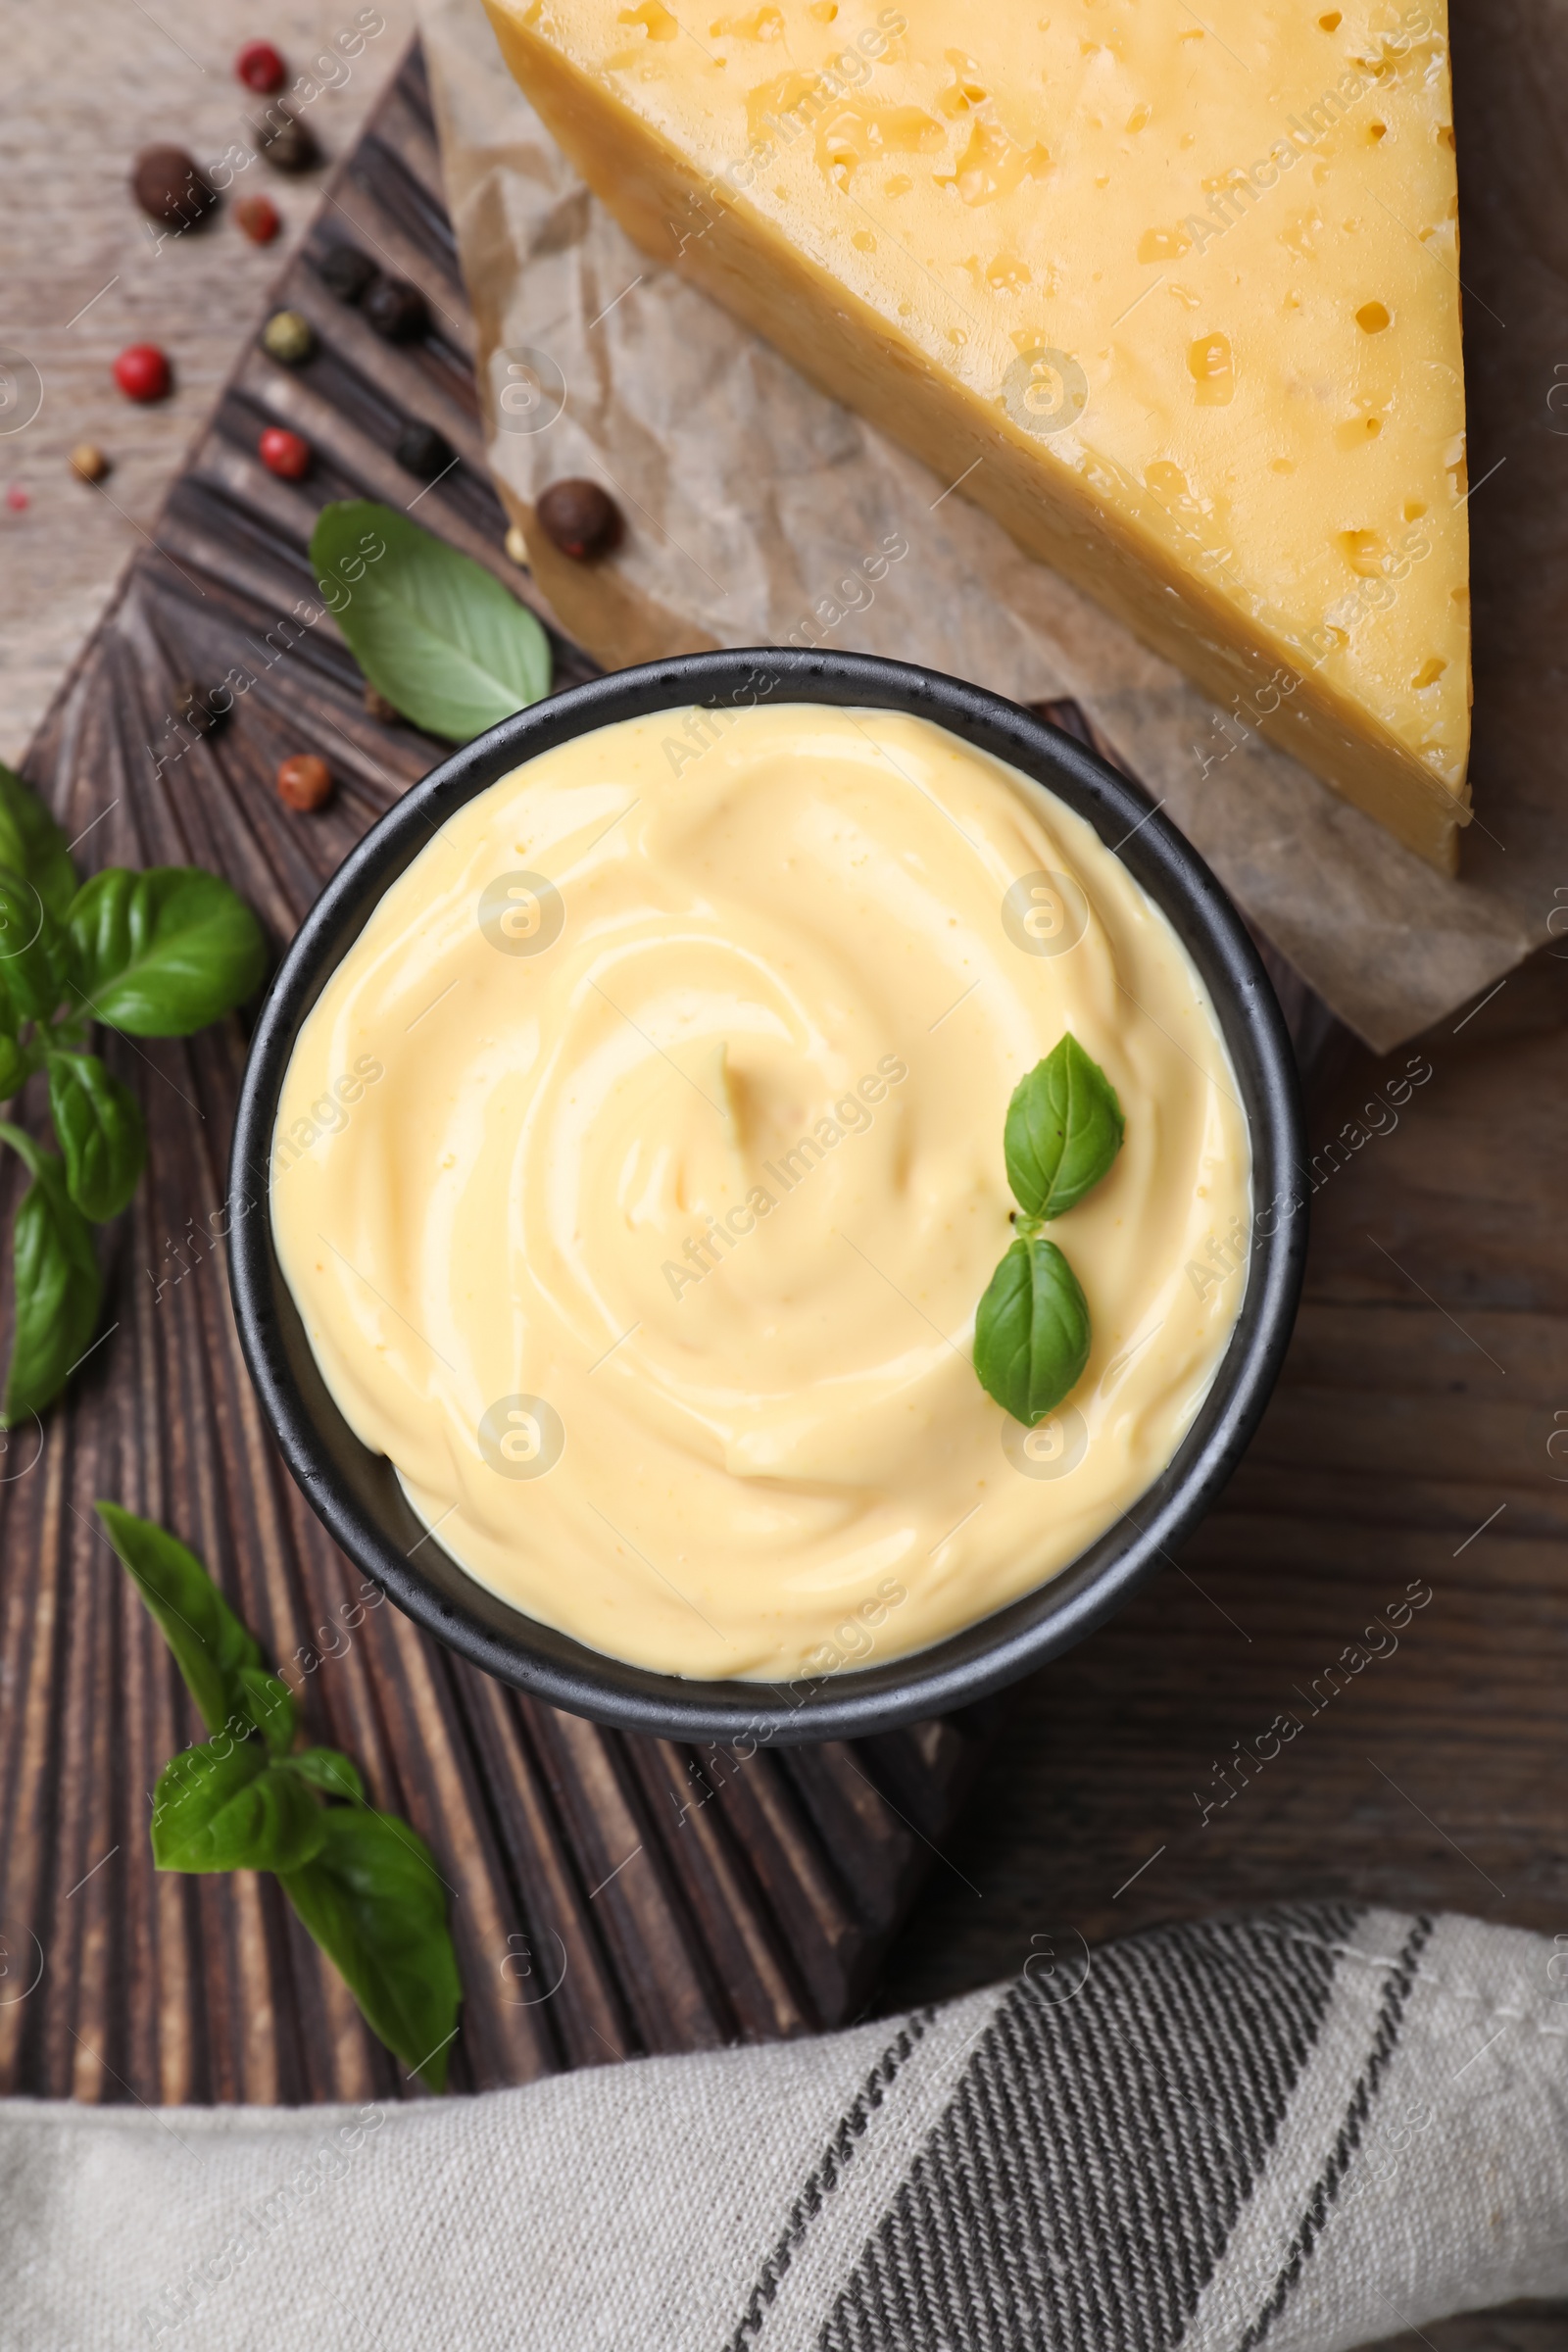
[(356, 1492)]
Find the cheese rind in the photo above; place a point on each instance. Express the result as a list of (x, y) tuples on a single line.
[(1177, 303)]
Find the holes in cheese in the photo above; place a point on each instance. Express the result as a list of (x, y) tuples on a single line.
[(1212, 369), (655, 19), (1205, 242)]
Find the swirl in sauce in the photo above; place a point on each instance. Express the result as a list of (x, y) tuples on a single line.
[(639, 1170)]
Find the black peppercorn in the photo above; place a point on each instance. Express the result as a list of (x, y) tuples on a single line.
[(396, 309), (345, 272), (422, 450), (283, 140), (582, 519), (203, 709), (168, 186)]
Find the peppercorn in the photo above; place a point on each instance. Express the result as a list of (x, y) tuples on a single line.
[(422, 450), (142, 372), (193, 707), (285, 453), (168, 186), (17, 498), (396, 309), (258, 218), (88, 463), (260, 68), (377, 706), (304, 782), (287, 336), (582, 519), (283, 140), (345, 272), (516, 547)]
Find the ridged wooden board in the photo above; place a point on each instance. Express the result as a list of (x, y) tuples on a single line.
[(609, 1894)]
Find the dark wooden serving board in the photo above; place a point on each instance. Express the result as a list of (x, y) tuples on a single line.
[(609, 1894)]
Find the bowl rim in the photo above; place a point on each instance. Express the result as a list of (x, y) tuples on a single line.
[(354, 1493)]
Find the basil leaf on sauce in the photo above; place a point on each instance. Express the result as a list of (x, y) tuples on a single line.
[(1064, 1128), (1031, 1331), (432, 630)]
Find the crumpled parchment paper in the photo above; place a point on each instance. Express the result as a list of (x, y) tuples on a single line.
[(760, 512)]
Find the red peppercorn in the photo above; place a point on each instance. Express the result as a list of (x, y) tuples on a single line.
[(258, 217), (142, 372), (304, 782), (260, 68), (17, 498), (285, 453)]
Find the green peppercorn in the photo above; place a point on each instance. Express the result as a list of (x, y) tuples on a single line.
[(288, 337)]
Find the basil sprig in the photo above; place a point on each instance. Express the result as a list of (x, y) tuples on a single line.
[(1064, 1127), (363, 1882), (153, 954), (432, 630)]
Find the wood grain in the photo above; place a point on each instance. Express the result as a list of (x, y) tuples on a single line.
[(1434, 1778), (608, 1895), (1413, 1435), (87, 87)]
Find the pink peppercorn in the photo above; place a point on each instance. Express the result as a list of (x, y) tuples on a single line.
[(285, 453), (258, 217), (142, 372), (260, 68)]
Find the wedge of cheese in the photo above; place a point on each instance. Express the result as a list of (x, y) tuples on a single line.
[(1174, 296)]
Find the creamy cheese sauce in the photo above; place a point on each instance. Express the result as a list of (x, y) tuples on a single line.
[(640, 1168)]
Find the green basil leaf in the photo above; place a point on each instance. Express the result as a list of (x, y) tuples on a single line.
[(333, 1774), (56, 1281), (269, 1705), (431, 629), (210, 1646), (100, 1128), (1031, 1331), (1064, 1128), (14, 1068), (163, 953), (375, 1903), (226, 1806), (30, 940), (17, 1065), (34, 845)]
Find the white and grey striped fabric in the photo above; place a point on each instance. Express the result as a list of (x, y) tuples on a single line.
[(1303, 2129)]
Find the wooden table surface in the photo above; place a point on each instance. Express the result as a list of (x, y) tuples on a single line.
[(88, 85), (1412, 1439)]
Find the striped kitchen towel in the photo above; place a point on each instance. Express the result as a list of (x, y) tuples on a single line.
[(1302, 2129)]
